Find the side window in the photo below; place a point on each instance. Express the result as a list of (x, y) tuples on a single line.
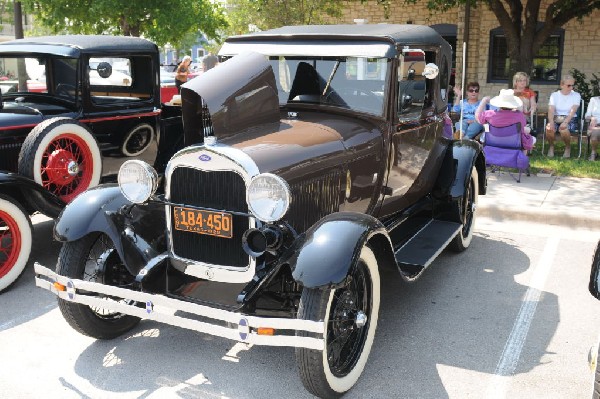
[(411, 85), (444, 76), (111, 80)]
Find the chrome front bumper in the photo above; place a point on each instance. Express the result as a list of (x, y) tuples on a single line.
[(162, 309)]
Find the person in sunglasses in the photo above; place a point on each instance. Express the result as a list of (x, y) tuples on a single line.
[(562, 111), (470, 127)]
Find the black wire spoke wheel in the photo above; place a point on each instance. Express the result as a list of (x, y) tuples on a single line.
[(350, 313), (94, 258), (346, 335)]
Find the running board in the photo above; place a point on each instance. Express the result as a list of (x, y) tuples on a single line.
[(422, 249)]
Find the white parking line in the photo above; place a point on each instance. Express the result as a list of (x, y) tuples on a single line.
[(500, 382)]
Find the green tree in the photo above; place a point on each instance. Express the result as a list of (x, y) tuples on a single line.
[(268, 14), (161, 21), (519, 20)]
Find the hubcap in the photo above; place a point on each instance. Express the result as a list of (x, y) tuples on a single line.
[(61, 167), (67, 166), (10, 243)]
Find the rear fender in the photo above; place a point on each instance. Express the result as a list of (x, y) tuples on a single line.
[(103, 209), (467, 153), (324, 254)]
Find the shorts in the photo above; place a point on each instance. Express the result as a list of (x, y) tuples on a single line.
[(573, 125)]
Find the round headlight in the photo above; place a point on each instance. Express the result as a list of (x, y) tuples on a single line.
[(268, 197), (137, 181)]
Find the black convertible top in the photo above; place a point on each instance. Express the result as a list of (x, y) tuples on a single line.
[(74, 45), (394, 33)]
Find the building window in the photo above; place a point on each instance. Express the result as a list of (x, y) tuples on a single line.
[(547, 63)]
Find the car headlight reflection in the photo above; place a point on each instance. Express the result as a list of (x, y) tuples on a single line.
[(137, 181), (268, 197)]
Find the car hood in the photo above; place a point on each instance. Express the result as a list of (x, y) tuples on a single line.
[(238, 95)]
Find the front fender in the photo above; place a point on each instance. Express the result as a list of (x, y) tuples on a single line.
[(21, 187), (324, 254), (136, 231)]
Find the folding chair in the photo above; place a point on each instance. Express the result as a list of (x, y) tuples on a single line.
[(502, 148)]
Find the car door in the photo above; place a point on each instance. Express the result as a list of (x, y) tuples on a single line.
[(120, 108), (413, 137)]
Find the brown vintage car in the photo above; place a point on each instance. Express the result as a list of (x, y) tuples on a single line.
[(317, 156)]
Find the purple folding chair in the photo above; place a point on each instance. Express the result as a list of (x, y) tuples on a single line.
[(502, 148)]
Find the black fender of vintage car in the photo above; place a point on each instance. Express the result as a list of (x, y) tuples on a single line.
[(137, 233), (594, 285), (467, 154), (20, 187), (324, 254)]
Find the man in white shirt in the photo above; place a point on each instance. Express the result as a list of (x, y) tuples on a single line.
[(562, 109), (593, 115)]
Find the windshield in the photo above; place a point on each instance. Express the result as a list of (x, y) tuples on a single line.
[(349, 82), (30, 75)]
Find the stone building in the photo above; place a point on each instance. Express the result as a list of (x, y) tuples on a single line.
[(576, 45)]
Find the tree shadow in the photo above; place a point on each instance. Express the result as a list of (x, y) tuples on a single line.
[(448, 317)]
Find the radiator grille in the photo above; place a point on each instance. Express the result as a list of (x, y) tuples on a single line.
[(9, 156), (314, 199), (219, 190)]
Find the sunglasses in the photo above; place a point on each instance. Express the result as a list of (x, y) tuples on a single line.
[(473, 90)]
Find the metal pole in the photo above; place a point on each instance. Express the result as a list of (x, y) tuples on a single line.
[(462, 97)]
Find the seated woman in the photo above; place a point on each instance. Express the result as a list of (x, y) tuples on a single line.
[(470, 127), (522, 90), (508, 113), (562, 110), (593, 115)]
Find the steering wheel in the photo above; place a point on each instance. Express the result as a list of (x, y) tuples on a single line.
[(66, 90)]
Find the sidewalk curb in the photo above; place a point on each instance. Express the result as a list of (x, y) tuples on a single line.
[(557, 217)]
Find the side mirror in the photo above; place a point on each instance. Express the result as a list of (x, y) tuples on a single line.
[(104, 70)]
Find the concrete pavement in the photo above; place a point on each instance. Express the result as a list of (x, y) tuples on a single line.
[(567, 201)]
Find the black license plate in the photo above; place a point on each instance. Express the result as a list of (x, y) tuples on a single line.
[(219, 224)]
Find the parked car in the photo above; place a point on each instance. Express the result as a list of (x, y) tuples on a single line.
[(74, 127), (167, 86), (594, 288), (315, 157)]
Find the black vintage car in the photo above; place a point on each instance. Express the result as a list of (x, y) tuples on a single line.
[(72, 110), (317, 156), (594, 287)]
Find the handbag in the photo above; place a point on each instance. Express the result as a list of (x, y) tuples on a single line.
[(559, 118)]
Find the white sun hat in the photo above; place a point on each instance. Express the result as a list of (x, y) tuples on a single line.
[(506, 99)]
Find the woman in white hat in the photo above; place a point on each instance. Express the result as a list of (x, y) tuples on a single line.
[(508, 113)]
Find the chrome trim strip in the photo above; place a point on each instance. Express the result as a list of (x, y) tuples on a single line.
[(162, 309), (220, 158)]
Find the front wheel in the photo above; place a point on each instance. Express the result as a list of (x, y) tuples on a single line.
[(351, 314), (15, 241), (94, 258), (467, 211)]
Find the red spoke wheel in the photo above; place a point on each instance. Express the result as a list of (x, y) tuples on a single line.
[(15, 241), (61, 155)]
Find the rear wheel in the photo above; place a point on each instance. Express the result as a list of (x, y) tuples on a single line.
[(15, 241), (467, 211), (62, 156), (351, 314), (94, 258)]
